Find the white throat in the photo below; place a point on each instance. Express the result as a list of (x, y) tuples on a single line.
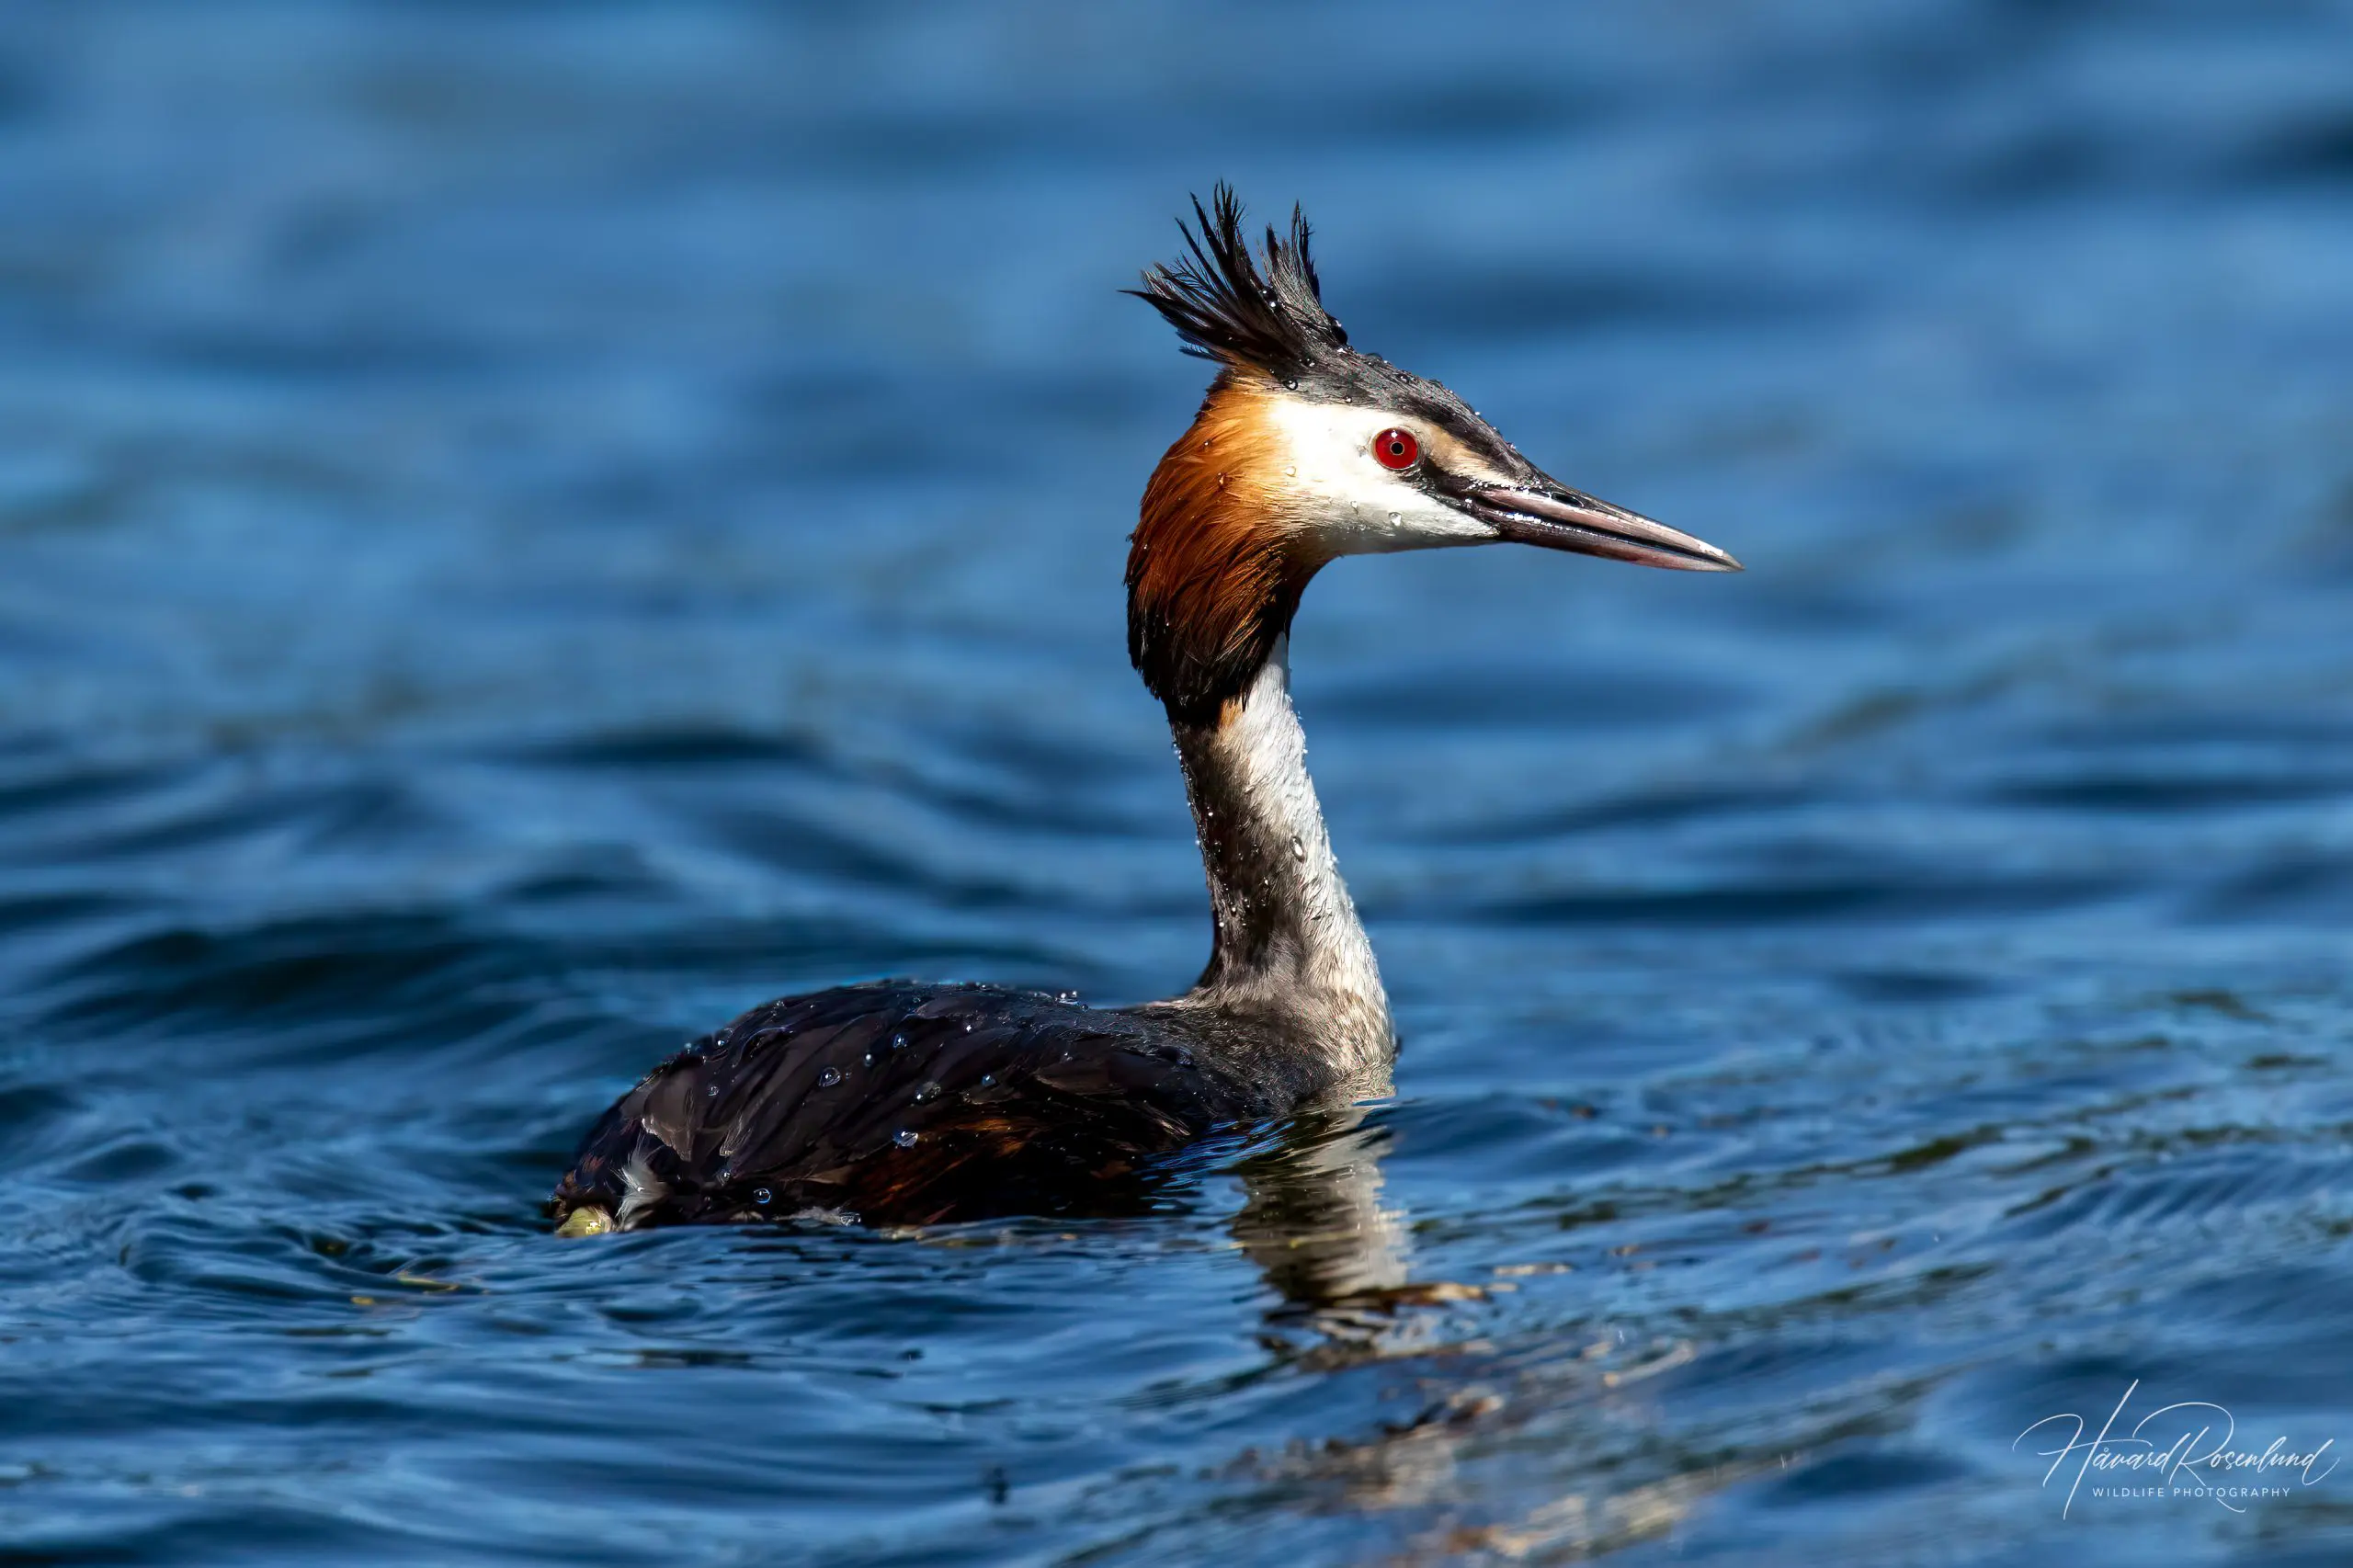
[(1288, 948)]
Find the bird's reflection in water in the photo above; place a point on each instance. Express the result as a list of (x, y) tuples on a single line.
[(1340, 1263), (1575, 1402), (1312, 1222)]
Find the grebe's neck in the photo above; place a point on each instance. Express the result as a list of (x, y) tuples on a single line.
[(1289, 951)]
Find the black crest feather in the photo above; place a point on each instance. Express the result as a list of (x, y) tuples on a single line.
[(1229, 306)]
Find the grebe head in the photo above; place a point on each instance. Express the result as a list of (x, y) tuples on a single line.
[(1307, 450)]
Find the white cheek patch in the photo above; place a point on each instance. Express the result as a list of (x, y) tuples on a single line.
[(1357, 506)]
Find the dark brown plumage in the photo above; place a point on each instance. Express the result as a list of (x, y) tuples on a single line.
[(907, 1104)]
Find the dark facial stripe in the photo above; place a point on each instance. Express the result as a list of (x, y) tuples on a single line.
[(1367, 381)]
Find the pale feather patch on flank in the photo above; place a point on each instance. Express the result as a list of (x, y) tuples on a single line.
[(644, 1191)]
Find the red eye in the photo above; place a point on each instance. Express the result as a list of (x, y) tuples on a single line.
[(1396, 449)]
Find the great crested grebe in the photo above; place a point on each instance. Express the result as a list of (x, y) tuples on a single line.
[(898, 1102)]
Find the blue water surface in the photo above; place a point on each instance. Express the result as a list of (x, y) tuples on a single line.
[(526, 528)]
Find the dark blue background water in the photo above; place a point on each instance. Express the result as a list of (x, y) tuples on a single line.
[(526, 528)]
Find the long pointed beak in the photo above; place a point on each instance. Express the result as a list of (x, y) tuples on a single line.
[(1557, 517)]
